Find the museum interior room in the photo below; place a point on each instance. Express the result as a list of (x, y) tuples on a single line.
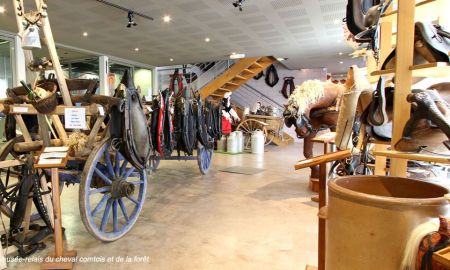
[(225, 134)]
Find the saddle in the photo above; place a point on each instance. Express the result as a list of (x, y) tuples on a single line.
[(272, 76), (427, 106), (128, 128), (431, 44), (288, 83), (428, 125), (184, 126)]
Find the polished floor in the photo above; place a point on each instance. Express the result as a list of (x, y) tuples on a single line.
[(217, 221)]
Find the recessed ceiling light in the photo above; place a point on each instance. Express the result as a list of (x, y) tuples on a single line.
[(281, 59), (207, 39), (171, 59), (340, 53), (237, 56), (336, 21), (2, 9), (167, 18), (136, 49), (341, 62), (85, 34)]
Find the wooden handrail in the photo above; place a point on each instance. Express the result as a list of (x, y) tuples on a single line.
[(306, 163)]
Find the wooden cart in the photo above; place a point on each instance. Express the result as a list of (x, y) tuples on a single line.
[(112, 191), (271, 126)]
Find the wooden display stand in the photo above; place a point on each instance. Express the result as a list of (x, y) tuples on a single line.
[(322, 162), (60, 259), (403, 19)]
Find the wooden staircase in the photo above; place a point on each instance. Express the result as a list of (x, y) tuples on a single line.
[(235, 76)]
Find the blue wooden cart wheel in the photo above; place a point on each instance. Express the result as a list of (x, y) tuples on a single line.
[(154, 161), (204, 158), (112, 193)]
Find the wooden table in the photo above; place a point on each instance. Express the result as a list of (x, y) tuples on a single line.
[(60, 259)]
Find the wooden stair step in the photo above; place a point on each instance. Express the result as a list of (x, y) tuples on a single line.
[(257, 64), (224, 89), (249, 71), (240, 77), (232, 83), (216, 95)]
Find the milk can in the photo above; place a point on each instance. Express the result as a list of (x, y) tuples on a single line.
[(232, 146), (258, 142), (222, 144), (240, 141)]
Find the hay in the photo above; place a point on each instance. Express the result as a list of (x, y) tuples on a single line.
[(77, 142), (309, 92)]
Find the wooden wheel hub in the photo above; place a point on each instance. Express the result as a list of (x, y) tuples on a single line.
[(121, 188)]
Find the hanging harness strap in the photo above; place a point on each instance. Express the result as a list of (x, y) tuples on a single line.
[(272, 76), (176, 82), (288, 83)]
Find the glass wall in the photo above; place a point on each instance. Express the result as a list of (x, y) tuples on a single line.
[(6, 66)]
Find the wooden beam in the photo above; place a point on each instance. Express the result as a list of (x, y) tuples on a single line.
[(403, 80), (54, 56), (28, 109), (23, 128)]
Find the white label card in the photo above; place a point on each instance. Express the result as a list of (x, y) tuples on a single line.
[(20, 109), (101, 110), (50, 161), (56, 149), (75, 118)]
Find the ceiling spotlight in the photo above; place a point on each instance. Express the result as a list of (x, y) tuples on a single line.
[(340, 53), (237, 55), (167, 18), (281, 59), (171, 59), (238, 4), (85, 34), (136, 49), (2, 9), (131, 21), (341, 62), (207, 39)]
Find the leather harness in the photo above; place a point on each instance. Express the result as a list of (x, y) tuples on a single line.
[(288, 82), (272, 76)]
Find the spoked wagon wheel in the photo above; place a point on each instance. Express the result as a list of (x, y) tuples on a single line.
[(204, 157), (269, 138), (247, 127), (112, 193), (154, 161), (10, 181)]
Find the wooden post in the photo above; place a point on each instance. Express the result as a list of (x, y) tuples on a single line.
[(54, 56), (322, 203), (322, 161), (52, 262), (403, 79)]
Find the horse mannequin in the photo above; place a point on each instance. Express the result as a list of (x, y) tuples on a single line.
[(312, 107)]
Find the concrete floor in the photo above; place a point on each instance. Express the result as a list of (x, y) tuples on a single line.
[(217, 221)]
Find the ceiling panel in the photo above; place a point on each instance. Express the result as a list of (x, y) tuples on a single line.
[(282, 28)]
